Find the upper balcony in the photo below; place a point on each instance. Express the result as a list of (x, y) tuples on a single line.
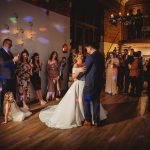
[(137, 32)]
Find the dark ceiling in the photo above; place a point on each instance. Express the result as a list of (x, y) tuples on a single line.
[(64, 6), (59, 6)]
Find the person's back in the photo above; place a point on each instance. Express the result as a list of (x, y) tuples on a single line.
[(94, 76)]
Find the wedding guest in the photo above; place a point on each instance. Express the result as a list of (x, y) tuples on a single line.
[(111, 65), (35, 78), (126, 71), (131, 25), (23, 73), (128, 59), (7, 69), (139, 23), (115, 51), (12, 111), (120, 73), (53, 88), (134, 74), (64, 76), (73, 54)]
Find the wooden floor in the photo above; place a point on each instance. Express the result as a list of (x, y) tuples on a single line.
[(124, 130)]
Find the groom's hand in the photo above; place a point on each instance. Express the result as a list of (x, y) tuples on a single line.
[(83, 69)]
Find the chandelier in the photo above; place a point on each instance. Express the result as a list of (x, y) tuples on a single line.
[(126, 20)]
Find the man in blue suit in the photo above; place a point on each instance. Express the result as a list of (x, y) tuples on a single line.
[(7, 68), (94, 65)]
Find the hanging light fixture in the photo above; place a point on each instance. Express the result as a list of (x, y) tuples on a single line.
[(127, 19)]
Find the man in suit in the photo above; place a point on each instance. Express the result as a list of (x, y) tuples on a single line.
[(139, 24), (94, 65), (128, 59), (7, 68), (126, 71)]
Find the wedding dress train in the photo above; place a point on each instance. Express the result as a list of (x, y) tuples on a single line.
[(69, 112)]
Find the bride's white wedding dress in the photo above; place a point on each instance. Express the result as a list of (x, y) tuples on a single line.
[(69, 112)]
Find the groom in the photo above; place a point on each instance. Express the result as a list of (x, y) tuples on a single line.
[(94, 65)]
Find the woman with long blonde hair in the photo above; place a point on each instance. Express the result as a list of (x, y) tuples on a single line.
[(12, 111)]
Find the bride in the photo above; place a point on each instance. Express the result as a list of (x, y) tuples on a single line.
[(69, 112)]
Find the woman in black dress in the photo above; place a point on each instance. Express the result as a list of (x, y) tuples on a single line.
[(35, 78)]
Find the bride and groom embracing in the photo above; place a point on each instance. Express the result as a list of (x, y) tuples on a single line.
[(81, 103)]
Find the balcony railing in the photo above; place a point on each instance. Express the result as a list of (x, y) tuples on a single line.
[(133, 32)]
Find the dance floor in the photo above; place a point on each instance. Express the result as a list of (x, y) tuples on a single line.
[(125, 129)]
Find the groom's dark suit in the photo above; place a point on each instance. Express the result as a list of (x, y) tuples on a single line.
[(93, 84)]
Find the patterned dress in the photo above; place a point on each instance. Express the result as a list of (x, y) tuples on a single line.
[(53, 74), (23, 73)]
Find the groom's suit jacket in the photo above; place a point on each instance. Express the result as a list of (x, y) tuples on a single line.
[(94, 74)]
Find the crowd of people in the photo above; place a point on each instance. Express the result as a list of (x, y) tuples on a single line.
[(135, 24), (124, 73), (17, 73)]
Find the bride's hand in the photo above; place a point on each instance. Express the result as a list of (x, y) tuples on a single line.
[(75, 75)]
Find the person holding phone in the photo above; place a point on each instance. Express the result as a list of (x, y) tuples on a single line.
[(7, 71)]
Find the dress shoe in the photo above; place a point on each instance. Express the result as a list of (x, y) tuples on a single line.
[(100, 123), (96, 124), (87, 123)]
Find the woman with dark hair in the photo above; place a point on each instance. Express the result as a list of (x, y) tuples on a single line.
[(23, 73), (53, 76), (112, 64), (35, 78)]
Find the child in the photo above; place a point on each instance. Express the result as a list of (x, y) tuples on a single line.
[(12, 111)]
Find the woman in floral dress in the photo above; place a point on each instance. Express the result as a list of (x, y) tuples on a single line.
[(23, 73)]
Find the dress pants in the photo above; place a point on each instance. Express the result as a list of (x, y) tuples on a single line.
[(96, 110)]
